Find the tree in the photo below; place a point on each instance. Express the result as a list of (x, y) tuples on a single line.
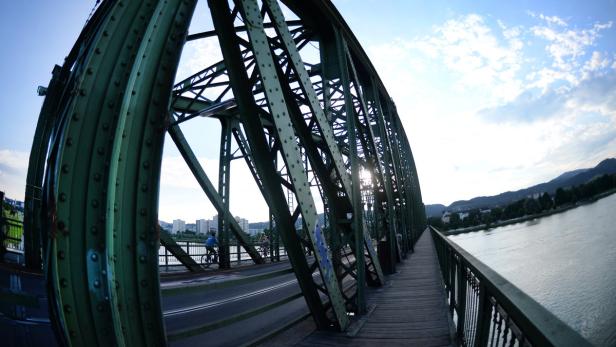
[(562, 197), (454, 221), (436, 222), (531, 206), (545, 201)]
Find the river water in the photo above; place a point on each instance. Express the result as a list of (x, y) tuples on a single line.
[(566, 261)]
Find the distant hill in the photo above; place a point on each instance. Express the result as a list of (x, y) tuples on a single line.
[(567, 179), (435, 209)]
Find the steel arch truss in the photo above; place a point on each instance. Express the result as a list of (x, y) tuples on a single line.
[(305, 109)]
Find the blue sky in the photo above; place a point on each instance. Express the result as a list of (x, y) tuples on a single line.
[(494, 96)]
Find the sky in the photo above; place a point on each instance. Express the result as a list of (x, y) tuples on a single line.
[(494, 96)]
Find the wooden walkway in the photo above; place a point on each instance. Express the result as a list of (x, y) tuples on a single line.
[(410, 310)]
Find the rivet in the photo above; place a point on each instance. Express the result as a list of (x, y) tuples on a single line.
[(94, 257), (94, 203), (63, 282), (97, 283), (67, 309), (62, 197)]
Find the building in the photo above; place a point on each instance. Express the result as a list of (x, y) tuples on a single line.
[(178, 226), (205, 225), (243, 222), (446, 218), (214, 224)]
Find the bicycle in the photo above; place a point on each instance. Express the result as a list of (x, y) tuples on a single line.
[(209, 258)]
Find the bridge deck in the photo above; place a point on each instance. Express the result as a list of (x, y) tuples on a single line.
[(410, 310)]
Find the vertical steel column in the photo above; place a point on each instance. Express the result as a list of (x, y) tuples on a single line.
[(102, 178), (349, 66), (240, 83), (224, 177), (351, 188), (33, 238), (269, 78), (208, 188)]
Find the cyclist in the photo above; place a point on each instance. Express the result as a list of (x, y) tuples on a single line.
[(210, 243), (265, 244)]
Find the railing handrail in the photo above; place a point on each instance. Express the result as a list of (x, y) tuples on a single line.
[(541, 326)]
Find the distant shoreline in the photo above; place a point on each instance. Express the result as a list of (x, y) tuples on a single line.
[(530, 217)]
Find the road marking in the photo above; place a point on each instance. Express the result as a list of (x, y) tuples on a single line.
[(207, 305)]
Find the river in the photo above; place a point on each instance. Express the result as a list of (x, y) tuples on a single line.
[(566, 261)]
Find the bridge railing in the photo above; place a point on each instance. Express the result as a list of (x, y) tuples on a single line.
[(198, 251), (488, 310)]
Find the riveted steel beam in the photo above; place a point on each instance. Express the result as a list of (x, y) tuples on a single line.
[(269, 79), (305, 124), (349, 187), (261, 152), (215, 198), (102, 177)]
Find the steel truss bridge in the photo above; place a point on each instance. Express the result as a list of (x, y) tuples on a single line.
[(299, 99)]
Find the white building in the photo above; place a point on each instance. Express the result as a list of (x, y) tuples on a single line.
[(205, 225), (214, 224), (243, 222), (178, 226), (446, 217)]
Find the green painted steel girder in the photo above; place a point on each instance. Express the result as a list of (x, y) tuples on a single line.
[(103, 125), (103, 177), (269, 78), (215, 198)]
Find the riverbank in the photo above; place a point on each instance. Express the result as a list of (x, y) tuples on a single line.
[(529, 217)]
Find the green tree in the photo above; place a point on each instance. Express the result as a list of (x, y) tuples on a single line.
[(562, 197), (545, 201), (531, 206)]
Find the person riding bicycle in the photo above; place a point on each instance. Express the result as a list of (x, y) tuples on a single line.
[(210, 243), (265, 244)]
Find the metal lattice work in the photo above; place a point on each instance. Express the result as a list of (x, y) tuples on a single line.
[(297, 124)]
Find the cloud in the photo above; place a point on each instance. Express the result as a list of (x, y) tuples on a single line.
[(16, 160), (478, 94), (197, 55), (567, 45), (182, 197), (481, 58), (13, 171), (553, 20), (593, 94)]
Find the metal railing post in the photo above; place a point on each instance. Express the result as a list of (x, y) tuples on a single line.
[(461, 299), (484, 314)]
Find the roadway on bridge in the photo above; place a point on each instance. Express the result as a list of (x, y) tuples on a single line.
[(182, 311), (197, 308)]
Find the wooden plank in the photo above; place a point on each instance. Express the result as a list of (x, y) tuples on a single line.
[(410, 309)]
